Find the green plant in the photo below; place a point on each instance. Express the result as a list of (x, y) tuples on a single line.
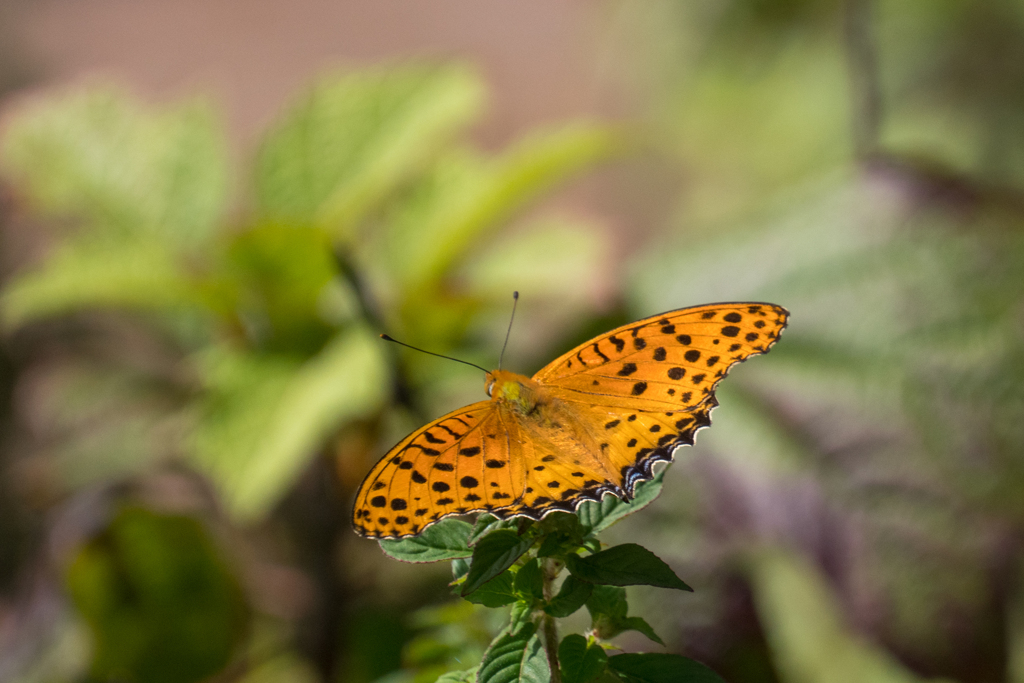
[(518, 563)]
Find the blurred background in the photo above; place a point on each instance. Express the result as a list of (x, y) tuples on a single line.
[(209, 210)]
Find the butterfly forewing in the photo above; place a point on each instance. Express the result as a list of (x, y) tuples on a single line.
[(625, 401), (456, 464), (668, 361)]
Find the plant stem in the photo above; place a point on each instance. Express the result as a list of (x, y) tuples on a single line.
[(551, 569)]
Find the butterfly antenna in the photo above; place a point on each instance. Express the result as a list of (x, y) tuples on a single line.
[(430, 353), (515, 301)]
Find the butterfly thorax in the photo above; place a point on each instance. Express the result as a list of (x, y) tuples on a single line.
[(545, 420), (518, 392)]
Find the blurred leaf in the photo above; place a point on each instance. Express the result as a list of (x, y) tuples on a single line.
[(628, 564), (467, 196), (573, 594), (559, 259), (805, 630), (137, 273), (650, 667), (160, 603), (445, 540), (284, 668), (596, 517), (266, 417), (493, 554), (282, 274), (97, 155), (355, 138), (515, 658), (580, 661)]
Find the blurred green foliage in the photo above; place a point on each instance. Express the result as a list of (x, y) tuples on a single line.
[(160, 603), (856, 512)]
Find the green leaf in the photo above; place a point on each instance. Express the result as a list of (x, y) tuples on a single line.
[(445, 540), (515, 658), (661, 668), (628, 564), (460, 566), (562, 535), (493, 554), (355, 138), (497, 592), (486, 523), (564, 523), (554, 545), (140, 273), (522, 613), (468, 676), (580, 661), (607, 601), (158, 600), (128, 172), (596, 517), (641, 625), (530, 580), (265, 418), (608, 607), (571, 596)]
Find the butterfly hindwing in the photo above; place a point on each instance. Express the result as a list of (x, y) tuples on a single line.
[(668, 361), (638, 439), (456, 464), (552, 478)]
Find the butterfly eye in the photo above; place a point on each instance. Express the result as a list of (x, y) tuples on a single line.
[(490, 388)]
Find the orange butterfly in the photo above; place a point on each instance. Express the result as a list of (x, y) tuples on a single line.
[(592, 422)]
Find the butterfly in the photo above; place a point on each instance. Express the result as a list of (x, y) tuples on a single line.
[(592, 422)]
